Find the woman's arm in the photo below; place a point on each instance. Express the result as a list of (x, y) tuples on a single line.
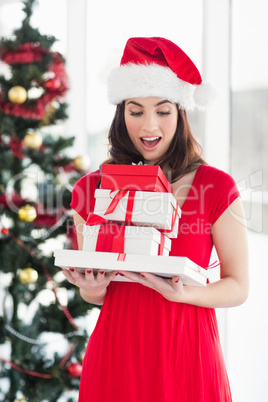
[(230, 240), (92, 288)]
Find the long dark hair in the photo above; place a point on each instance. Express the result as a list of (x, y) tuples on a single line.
[(183, 155)]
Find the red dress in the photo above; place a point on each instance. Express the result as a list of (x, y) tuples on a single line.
[(145, 348)]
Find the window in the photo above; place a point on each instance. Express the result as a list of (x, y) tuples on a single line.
[(249, 104), (108, 28)]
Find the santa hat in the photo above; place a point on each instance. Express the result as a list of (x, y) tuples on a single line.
[(157, 67)]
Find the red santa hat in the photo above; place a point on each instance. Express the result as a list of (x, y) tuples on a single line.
[(157, 67)]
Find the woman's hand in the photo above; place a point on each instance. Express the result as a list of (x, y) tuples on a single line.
[(93, 288), (170, 289)]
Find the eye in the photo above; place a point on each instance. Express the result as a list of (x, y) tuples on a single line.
[(163, 113), (135, 114)]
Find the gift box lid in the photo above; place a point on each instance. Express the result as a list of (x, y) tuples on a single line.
[(140, 196), (134, 177)]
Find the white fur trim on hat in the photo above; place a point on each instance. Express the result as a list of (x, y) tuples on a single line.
[(141, 81)]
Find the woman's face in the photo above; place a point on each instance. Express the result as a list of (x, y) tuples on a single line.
[(151, 124)]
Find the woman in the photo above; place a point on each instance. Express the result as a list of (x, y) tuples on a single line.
[(155, 339)]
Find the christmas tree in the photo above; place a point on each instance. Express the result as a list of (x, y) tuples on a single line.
[(41, 341)]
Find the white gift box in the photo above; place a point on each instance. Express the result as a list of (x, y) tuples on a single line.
[(137, 239), (155, 209), (166, 266)]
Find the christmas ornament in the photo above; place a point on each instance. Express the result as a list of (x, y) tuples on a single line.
[(50, 111), (22, 399), (28, 275), (27, 213), (52, 84), (35, 92), (33, 140), (74, 369), (4, 231), (17, 94), (82, 162)]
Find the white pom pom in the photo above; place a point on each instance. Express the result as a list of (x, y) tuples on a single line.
[(204, 95)]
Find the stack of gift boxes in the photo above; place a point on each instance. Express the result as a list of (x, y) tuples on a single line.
[(135, 212), (134, 219)]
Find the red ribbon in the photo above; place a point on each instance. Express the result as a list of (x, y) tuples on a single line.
[(162, 244), (121, 257), (115, 201), (214, 264), (130, 203), (94, 219), (173, 221), (111, 238)]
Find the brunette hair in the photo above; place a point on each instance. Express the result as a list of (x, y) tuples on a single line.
[(183, 155)]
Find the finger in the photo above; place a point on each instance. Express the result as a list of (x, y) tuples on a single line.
[(101, 274), (77, 277), (156, 282), (89, 274), (151, 277), (133, 276), (176, 282), (111, 275), (67, 274)]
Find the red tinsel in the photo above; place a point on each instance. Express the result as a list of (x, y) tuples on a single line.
[(26, 371), (12, 200), (47, 218), (59, 84), (27, 112), (55, 88), (25, 53), (16, 145)]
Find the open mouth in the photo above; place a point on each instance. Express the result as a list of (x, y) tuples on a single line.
[(150, 142)]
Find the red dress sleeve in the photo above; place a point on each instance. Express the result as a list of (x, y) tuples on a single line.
[(83, 200), (224, 193)]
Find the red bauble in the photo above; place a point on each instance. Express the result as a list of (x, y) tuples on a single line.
[(74, 369), (4, 231), (52, 84)]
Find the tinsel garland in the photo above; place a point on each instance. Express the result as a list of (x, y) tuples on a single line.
[(25, 371), (16, 145), (57, 70), (25, 53), (34, 341), (35, 373), (36, 112)]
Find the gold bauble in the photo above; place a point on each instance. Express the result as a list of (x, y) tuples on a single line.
[(33, 140), (27, 213), (22, 399), (17, 94), (28, 275), (82, 162)]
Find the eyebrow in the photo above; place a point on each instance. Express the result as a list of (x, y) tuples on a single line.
[(140, 105)]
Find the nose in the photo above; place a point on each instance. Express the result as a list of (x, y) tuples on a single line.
[(149, 123)]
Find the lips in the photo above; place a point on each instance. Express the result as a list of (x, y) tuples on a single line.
[(150, 142)]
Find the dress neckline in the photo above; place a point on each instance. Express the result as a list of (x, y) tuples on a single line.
[(191, 188)]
